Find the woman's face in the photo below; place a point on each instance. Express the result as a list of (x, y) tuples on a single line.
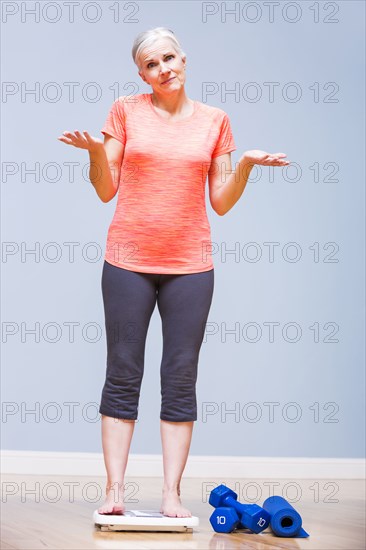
[(161, 62)]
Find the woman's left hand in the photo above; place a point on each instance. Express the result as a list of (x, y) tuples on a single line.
[(255, 156)]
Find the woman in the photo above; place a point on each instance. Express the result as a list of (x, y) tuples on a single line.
[(157, 152)]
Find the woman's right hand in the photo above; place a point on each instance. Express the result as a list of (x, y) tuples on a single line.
[(81, 140)]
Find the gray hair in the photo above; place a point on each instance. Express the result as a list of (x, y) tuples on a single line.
[(147, 38)]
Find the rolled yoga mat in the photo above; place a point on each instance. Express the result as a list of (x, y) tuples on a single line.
[(285, 520)]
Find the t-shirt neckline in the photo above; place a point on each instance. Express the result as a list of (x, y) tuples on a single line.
[(162, 119)]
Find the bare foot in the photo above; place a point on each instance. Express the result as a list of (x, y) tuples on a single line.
[(114, 502), (171, 505)]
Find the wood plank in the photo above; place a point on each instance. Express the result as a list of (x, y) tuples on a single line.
[(44, 513)]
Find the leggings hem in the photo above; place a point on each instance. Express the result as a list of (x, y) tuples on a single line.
[(166, 419), (121, 416)]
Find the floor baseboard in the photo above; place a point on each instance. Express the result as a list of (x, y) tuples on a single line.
[(57, 463)]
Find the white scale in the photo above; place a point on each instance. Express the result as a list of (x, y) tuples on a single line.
[(143, 520)]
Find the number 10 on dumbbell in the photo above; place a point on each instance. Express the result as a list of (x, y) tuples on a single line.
[(231, 514)]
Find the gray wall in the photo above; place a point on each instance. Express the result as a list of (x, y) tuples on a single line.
[(311, 373)]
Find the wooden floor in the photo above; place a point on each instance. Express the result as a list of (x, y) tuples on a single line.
[(41, 512)]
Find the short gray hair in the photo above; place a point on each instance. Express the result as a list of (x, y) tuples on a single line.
[(147, 38)]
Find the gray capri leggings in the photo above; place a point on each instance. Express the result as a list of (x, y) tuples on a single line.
[(129, 299)]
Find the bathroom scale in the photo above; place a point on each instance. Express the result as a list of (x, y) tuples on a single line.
[(143, 520)]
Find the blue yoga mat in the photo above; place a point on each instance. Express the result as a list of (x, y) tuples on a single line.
[(285, 520)]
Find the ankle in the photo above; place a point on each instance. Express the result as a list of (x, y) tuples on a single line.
[(115, 485), (171, 489)]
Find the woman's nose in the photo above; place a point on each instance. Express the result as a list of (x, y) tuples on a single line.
[(164, 68)]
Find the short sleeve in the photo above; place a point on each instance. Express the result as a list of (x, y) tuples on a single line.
[(115, 121), (225, 142)]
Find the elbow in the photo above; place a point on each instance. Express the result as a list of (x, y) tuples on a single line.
[(105, 198), (220, 211), (223, 208), (220, 207)]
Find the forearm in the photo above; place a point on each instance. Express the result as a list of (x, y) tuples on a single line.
[(102, 175), (233, 188)]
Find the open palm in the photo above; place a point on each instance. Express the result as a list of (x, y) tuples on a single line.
[(81, 140), (257, 156)]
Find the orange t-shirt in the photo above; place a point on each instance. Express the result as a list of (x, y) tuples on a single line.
[(160, 223)]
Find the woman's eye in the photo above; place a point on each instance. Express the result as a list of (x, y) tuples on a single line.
[(153, 63)]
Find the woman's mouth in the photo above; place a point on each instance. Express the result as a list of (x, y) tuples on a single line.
[(166, 81)]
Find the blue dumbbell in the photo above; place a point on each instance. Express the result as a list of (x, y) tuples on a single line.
[(251, 516), (224, 520)]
